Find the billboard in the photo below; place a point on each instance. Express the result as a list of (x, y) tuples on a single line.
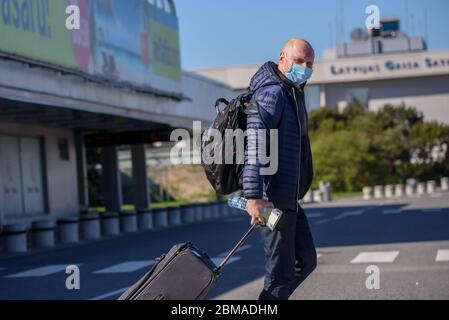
[(129, 41)]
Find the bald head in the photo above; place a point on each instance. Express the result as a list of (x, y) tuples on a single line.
[(296, 51)]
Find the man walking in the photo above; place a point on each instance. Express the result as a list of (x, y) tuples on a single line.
[(279, 91)]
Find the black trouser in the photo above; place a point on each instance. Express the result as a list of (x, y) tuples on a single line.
[(290, 255)]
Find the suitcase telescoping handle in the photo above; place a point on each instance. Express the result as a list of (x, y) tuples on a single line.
[(237, 246)]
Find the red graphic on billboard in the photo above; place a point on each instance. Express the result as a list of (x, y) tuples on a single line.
[(81, 37)]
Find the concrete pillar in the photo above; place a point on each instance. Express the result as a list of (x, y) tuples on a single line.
[(15, 238), (410, 187), (308, 197), (207, 211), (43, 234), (128, 221), (389, 191), (81, 168), (188, 213), (111, 184), (317, 196), (198, 212), (160, 217), (68, 230), (368, 193), (110, 225), (431, 186), (174, 216), (225, 212), (399, 190), (145, 219), (90, 225), (444, 184), (378, 192), (421, 188), (140, 177)]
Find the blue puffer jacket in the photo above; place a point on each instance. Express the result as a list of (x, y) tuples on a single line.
[(282, 107)]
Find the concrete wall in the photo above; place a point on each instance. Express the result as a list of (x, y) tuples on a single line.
[(429, 95), (61, 176), (203, 93)]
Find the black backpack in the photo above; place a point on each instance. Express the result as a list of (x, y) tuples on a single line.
[(226, 178)]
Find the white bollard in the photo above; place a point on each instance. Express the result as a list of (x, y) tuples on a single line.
[(317, 196), (431, 186), (68, 230), (110, 225), (399, 190), (128, 222), (368, 193), (208, 214), (389, 191), (15, 238), (410, 190), (90, 225), (308, 197), (43, 234), (444, 184), (378, 192), (421, 188), (198, 212), (174, 216), (188, 213), (160, 217), (144, 219)]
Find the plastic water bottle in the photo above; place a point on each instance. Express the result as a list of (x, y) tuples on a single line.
[(271, 216)]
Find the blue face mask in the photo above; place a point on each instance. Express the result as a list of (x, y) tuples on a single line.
[(299, 74)]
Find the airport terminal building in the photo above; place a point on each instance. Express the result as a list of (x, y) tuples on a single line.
[(375, 69), (62, 90)]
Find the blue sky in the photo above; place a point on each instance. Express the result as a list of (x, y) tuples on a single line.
[(240, 32)]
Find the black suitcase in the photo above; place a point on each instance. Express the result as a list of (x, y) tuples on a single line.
[(184, 273)]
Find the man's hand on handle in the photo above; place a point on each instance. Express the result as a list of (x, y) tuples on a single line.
[(255, 207)]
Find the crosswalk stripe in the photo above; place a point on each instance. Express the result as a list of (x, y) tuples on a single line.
[(349, 214), (315, 215), (218, 260), (125, 267), (322, 221), (376, 257), (442, 256), (40, 272), (391, 211), (242, 248)]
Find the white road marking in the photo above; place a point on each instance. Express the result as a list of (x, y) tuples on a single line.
[(110, 294), (126, 267), (315, 215), (349, 214), (442, 256), (319, 255), (376, 257), (322, 221), (218, 260), (40, 272), (432, 210), (242, 248), (391, 211)]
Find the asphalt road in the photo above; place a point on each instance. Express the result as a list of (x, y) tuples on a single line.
[(407, 240)]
